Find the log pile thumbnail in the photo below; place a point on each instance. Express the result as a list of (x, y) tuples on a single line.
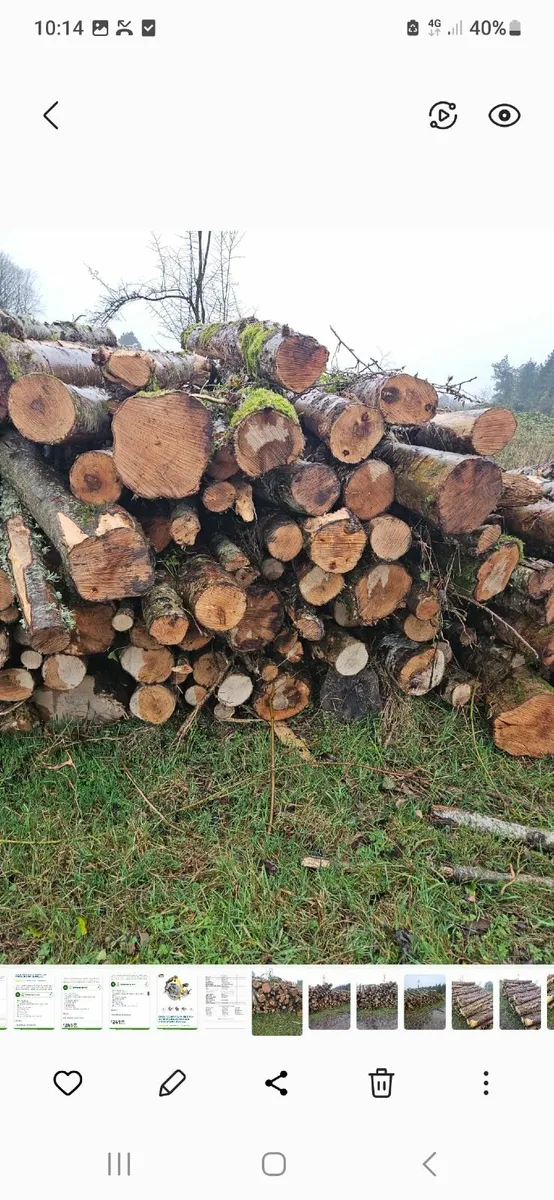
[(324, 995), (424, 997), (378, 995), (276, 995), (475, 1003), (231, 525), (525, 999)]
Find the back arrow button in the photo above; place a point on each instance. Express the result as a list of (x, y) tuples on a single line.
[(49, 110), (426, 1164)]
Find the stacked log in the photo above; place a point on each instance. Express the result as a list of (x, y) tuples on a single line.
[(324, 995), (276, 995), (226, 526), (424, 997), (474, 1003), (525, 999), (378, 995)]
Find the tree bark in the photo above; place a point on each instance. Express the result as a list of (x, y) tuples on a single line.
[(153, 703), (162, 443), (163, 613), (244, 503), (234, 560), (93, 478), (124, 617), (24, 328), (423, 601), (147, 666), (4, 647), (39, 604), (209, 668), (264, 350), (416, 671), (305, 488), (470, 431), (6, 590), (518, 490), (402, 399), (542, 839), (184, 523), (517, 599), (481, 579), (98, 699), (72, 364), (103, 551), (223, 464), (214, 599), (16, 684), (480, 875), (282, 698), (44, 409), (335, 542), (265, 433), (261, 622), (388, 537), (533, 521), (62, 672), (454, 492), (368, 489), (281, 536), (346, 654), (539, 637), (134, 370), (219, 496), (304, 617), (351, 698), (92, 631), (478, 542), (349, 429), (374, 591)]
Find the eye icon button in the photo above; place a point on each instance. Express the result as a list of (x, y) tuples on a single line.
[(504, 115)]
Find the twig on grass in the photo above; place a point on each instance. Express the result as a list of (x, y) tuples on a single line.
[(480, 875)]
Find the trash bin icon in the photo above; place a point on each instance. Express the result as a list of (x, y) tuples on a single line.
[(381, 1083)]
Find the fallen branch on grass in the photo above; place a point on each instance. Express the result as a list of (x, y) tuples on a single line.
[(480, 875), (536, 838)]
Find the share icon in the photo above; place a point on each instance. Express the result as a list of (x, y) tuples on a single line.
[(271, 1083)]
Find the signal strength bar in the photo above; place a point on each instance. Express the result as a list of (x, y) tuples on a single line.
[(457, 28)]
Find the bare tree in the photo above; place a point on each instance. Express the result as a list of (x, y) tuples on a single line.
[(192, 281), (18, 288)]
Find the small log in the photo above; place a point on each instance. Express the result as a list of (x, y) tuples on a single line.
[(416, 671), (351, 698), (288, 647), (103, 551), (93, 478), (517, 627), (139, 636), (282, 698), (62, 672), (235, 689), (534, 577), (453, 492), (416, 630), (402, 399), (316, 586), (153, 703), (196, 637), (349, 429), (182, 668), (233, 560), (134, 370), (537, 839), (305, 618), (470, 431), (335, 542), (346, 654), (368, 489), (462, 874), (92, 631), (388, 537), (459, 688), (305, 488), (423, 601), (223, 712), (147, 666), (481, 579), (6, 590), (162, 443), (374, 591), (30, 659), (518, 491), (184, 523), (478, 542), (281, 536), (516, 598), (24, 328), (261, 621), (223, 464), (98, 699), (72, 364), (44, 409), (532, 521), (195, 695), (264, 350), (209, 667), (5, 647), (244, 503), (163, 613), (123, 617), (216, 602), (155, 520), (16, 684), (272, 569), (36, 595), (219, 496)]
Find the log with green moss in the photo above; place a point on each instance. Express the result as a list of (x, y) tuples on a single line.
[(162, 443), (480, 578), (305, 488), (24, 327), (265, 433), (46, 622), (349, 428), (72, 364), (103, 550), (401, 399), (134, 370), (264, 350), (163, 613), (454, 492), (520, 703)]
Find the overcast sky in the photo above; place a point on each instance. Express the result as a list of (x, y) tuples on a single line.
[(423, 981), (438, 304)]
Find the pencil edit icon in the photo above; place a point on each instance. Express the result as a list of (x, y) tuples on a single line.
[(172, 1082)]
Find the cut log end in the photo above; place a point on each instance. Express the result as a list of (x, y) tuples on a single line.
[(493, 575), (469, 495), (493, 429), (335, 541), (299, 362), (153, 703), (112, 564), (527, 728), (282, 698), (16, 684), (62, 672), (162, 443), (235, 689), (389, 537), (94, 479), (42, 408), (369, 489), (266, 439), (356, 433)]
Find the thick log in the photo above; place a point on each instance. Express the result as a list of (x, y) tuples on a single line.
[(374, 591), (416, 671), (351, 698), (346, 654), (281, 536), (459, 688), (6, 589), (423, 601), (163, 613), (16, 684), (162, 443), (153, 703), (261, 622), (517, 627), (521, 708), (518, 490), (73, 364), (92, 631), (209, 667), (305, 488), (481, 579), (402, 399), (44, 409), (103, 551), (36, 594), (537, 839), (123, 617), (23, 328), (184, 523), (235, 689), (335, 542), (233, 559), (389, 538), (263, 349), (223, 463), (147, 666), (282, 698), (454, 492), (93, 478), (470, 431), (99, 699), (368, 489), (219, 496), (349, 429), (62, 672), (265, 433), (533, 521), (134, 370), (211, 595)]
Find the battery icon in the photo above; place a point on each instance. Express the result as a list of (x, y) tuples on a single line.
[(515, 28)]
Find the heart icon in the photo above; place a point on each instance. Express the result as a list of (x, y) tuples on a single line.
[(68, 1081)]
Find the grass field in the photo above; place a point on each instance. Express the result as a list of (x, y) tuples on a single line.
[(277, 1024), (533, 442), (120, 846)]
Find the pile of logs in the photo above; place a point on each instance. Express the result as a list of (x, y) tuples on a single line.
[(324, 995), (229, 524), (378, 995), (550, 991), (475, 1004), (424, 997), (276, 995), (525, 999)]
